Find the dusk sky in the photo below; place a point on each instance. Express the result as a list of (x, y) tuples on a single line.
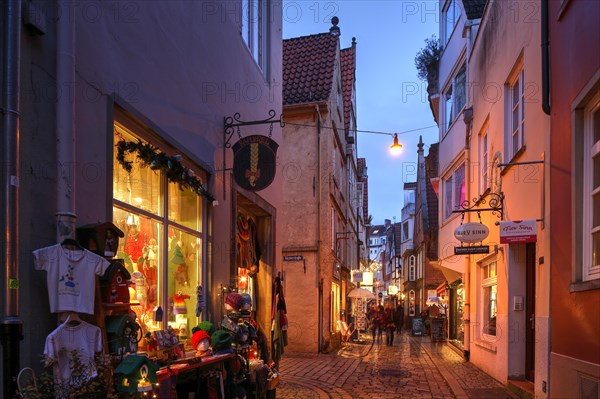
[(390, 97)]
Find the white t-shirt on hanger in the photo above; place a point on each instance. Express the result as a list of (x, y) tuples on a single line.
[(70, 277), (84, 338)]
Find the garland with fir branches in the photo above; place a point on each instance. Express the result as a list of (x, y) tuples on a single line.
[(171, 166)]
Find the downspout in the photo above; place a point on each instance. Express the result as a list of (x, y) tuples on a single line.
[(65, 121), (545, 60), (468, 120), (318, 231), (11, 325)]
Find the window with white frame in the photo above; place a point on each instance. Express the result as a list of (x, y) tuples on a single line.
[(419, 265), (254, 29), (515, 114), (483, 161), (489, 290), (454, 191), (455, 96), (591, 190), (411, 303), (411, 268), (451, 17), (404, 231)]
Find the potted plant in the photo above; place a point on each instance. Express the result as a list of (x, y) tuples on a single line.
[(427, 62)]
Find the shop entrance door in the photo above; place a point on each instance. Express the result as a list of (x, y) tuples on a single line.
[(530, 313)]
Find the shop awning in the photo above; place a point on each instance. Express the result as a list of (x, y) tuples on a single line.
[(441, 289), (452, 270)]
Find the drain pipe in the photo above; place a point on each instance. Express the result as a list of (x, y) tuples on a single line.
[(65, 121), (545, 59), (318, 192), (11, 325), (468, 119)]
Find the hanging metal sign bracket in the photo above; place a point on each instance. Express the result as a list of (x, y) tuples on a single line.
[(494, 200), (232, 124)]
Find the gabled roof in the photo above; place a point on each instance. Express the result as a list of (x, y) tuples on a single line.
[(308, 65), (474, 8), (348, 62)]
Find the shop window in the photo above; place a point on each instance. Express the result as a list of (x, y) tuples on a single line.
[(162, 223), (411, 303), (489, 284)]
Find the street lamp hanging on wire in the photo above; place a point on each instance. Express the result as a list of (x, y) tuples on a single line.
[(396, 148)]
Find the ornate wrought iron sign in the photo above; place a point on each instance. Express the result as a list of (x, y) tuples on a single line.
[(495, 202)]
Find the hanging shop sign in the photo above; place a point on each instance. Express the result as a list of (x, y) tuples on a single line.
[(518, 231), (471, 232), (356, 276), (473, 249), (254, 162)]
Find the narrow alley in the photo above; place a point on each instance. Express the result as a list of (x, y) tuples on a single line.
[(412, 368)]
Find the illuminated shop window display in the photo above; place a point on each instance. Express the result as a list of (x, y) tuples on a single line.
[(162, 247)]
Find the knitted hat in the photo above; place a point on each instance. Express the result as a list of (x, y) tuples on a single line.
[(205, 326), (220, 340), (234, 300), (246, 298), (199, 336)]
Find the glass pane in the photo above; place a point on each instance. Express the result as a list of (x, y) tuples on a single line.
[(595, 249), (448, 198), (255, 29), (141, 252), (515, 142), (596, 171), (459, 187), (449, 112), (515, 93), (184, 277), (492, 269), (596, 125), (596, 210), (245, 25), (184, 207), (140, 187), (515, 119)]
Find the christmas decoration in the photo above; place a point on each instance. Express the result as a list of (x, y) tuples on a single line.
[(171, 166)]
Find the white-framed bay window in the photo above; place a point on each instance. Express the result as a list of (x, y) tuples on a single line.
[(514, 131), (591, 190), (254, 29), (455, 96), (454, 191)]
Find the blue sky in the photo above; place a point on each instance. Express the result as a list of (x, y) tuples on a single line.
[(390, 97)]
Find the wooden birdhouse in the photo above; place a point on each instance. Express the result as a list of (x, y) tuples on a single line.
[(100, 238), (114, 284), (122, 334), (136, 374)]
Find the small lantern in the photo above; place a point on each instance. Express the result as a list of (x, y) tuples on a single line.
[(136, 374)]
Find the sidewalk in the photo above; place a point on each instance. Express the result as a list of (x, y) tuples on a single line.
[(412, 368)]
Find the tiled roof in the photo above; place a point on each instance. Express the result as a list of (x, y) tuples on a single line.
[(308, 65), (474, 8), (348, 61)]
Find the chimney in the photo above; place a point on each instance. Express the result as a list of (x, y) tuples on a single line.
[(334, 29)]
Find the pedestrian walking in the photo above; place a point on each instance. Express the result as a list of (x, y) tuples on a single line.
[(379, 324), (389, 324), (399, 318)]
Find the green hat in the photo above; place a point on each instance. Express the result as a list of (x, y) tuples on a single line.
[(204, 326), (220, 340)]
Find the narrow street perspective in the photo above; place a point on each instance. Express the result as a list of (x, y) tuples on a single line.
[(413, 367)]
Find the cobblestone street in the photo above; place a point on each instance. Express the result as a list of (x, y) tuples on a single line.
[(412, 368)]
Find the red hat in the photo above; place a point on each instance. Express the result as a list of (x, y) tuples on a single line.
[(234, 300), (199, 336)]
